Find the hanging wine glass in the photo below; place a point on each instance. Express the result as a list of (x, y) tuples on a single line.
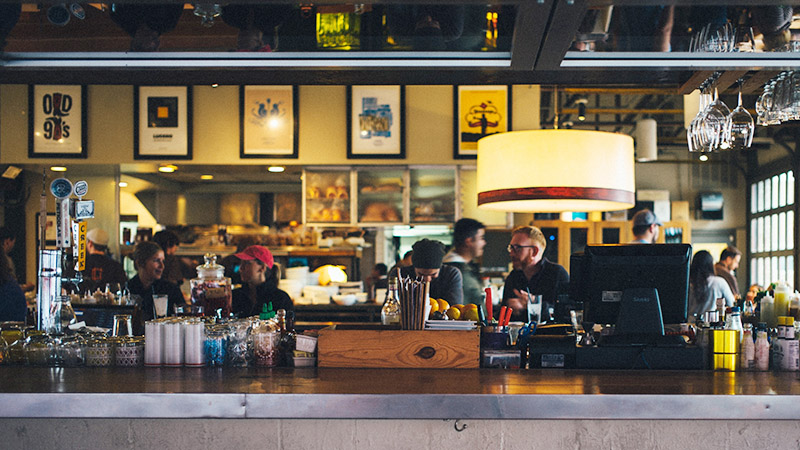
[(692, 132), (717, 114), (739, 128)]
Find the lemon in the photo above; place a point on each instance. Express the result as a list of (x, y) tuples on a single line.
[(470, 314), (434, 305), (459, 307), (454, 313), (443, 305)]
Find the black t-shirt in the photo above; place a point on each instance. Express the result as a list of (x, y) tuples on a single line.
[(145, 296), (266, 292), (551, 280), (100, 269)]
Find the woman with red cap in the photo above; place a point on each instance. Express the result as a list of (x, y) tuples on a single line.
[(259, 285)]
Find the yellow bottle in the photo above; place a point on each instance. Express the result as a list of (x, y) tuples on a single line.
[(782, 293)]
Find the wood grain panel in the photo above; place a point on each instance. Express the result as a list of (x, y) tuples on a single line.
[(399, 349)]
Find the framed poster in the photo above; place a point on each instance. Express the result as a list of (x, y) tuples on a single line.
[(268, 126), (376, 122), (479, 111), (57, 121), (162, 122)]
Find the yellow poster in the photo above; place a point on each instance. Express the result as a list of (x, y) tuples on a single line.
[(482, 111)]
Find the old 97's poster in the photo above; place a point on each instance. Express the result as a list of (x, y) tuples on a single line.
[(57, 121)]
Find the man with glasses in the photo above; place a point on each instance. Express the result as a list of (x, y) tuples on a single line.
[(533, 274)]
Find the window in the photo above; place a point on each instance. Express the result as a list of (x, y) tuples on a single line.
[(772, 229)]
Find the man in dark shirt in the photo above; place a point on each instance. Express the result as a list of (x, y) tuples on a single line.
[(259, 284), (426, 265), (100, 268), (728, 262), (468, 244), (533, 273)]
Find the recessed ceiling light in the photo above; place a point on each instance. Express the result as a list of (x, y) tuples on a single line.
[(168, 168), (123, 184), (276, 169), (58, 169), (214, 85), (703, 157), (206, 177)]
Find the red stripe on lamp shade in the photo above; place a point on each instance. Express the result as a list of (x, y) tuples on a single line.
[(556, 193)]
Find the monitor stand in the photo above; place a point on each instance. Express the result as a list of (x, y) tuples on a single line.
[(640, 322)]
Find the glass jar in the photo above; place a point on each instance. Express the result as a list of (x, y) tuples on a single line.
[(62, 314), (14, 337), (129, 352), (211, 289), (37, 349), (215, 346), (237, 343), (265, 345), (99, 352), (70, 351)]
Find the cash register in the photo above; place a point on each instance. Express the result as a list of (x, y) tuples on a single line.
[(636, 289)]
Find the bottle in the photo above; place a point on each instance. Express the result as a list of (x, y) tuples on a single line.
[(211, 289), (791, 347), (778, 346), (734, 322), (286, 341), (749, 313), (794, 306), (768, 311), (390, 313), (782, 293), (748, 350), (762, 351)]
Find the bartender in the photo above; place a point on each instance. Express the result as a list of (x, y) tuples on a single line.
[(533, 274), (259, 284), (148, 257), (426, 265)]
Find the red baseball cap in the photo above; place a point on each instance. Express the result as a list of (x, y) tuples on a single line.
[(258, 252)]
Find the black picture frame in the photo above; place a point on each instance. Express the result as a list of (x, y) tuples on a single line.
[(162, 98), (246, 151), (395, 97), (458, 111), (50, 125)]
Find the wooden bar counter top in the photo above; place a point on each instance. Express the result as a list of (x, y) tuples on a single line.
[(396, 393)]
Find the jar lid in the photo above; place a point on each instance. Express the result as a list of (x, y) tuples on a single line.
[(210, 269)]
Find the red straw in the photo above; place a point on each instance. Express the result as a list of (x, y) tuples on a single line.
[(489, 316), (501, 315), (508, 317)]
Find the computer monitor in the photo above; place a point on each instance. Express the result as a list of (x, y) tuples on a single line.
[(601, 275)]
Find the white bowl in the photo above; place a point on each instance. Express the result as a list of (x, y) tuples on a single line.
[(344, 299)]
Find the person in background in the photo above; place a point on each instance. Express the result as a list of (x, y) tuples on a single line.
[(377, 280), (259, 284), (468, 243), (426, 265), (728, 263), (148, 257), (7, 241), (533, 274), (12, 301), (645, 227), (231, 263), (405, 262), (146, 23), (705, 287), (169, 242), (100, 268)]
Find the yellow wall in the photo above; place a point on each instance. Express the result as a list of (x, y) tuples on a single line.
[(215, 121)]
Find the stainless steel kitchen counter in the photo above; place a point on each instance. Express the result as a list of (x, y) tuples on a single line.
[(316, 393)]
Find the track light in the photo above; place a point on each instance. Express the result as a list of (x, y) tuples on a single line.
[(581, 102)]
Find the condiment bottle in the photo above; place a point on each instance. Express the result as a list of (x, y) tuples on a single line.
[(211, 289), (768, 311), (734, 322), (794, 306), (748, 350), (791, 346), (782, 293), (762, 351), (390, 313)]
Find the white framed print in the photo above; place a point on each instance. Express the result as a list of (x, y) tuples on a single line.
[(376, 122), (57, 121), (162, 122)]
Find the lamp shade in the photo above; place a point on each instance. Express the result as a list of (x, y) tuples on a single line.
[(556, 171)]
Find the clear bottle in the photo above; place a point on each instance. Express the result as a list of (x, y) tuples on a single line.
[(748, 350), (390, 313), (762, 351), (768, 311), (734, 322)]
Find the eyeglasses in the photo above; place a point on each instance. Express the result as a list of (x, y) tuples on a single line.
[(515, 248)]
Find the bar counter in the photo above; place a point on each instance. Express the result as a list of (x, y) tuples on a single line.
[(325, 393)]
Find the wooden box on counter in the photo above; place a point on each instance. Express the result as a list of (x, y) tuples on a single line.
[(391, 348)]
